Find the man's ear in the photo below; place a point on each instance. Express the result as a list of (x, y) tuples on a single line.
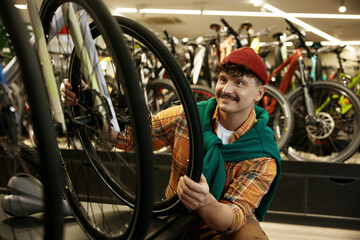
[(261, 92)]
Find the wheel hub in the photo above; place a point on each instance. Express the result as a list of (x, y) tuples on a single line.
[(323, 128)]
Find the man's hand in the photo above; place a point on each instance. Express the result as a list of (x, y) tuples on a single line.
[(192, 194), (197, 196), (67, 94), (69, 98)]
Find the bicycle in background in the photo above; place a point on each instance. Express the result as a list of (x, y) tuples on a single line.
[(347, 80), (327, 114)]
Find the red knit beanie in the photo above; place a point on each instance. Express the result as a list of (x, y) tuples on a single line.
[(248, 57)]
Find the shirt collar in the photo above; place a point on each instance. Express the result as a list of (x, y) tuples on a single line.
[(245, 127)]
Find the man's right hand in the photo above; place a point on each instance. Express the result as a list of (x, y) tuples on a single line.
[(68, 96)]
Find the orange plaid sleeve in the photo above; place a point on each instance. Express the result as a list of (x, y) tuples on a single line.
[(247, 183), (169, 129)]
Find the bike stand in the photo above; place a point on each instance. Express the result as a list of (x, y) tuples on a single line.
[(27, 197)]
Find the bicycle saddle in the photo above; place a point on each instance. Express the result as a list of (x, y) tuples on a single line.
[(27, 197), (215, 26)]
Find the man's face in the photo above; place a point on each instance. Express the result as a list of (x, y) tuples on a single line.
[(237, 95)]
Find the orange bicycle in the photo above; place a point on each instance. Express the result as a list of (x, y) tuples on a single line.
[(326, 128)]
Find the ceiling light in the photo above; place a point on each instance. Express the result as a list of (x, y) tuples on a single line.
[(170, 11), (125, 10), (269, 14), (324, 15), (185, 40), (342, 7), (21, 6), (238, 13), (324, 43), (306, 26), (348, 43), (257, 3)]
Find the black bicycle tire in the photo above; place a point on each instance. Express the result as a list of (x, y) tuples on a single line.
[(194, 170), (196, 89), (318, 69), (277, 62), (288, 127), (132, 28), (204, 90), (353, 146), (163, 85), (137, 229), (41, 118)]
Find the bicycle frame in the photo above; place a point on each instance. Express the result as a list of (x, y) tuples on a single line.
[(46, 64), (295, 60), (88, 56), (354, 81), (198, 61), (343, 102), (315, 75), (286, 80), (226, 48)]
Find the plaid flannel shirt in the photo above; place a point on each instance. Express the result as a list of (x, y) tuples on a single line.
[(246, 181)]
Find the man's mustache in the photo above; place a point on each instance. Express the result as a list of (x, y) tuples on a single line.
[(224, 95)]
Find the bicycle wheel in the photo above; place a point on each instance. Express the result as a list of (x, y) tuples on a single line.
[(281, 119), (201, 93), (142, 42), (41, 117), (158, 92), (335, 135), (93, 167)]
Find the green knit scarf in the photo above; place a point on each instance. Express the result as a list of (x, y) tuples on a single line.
[(257, 142)]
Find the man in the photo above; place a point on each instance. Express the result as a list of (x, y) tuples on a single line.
[(247, 150), (242, 161)]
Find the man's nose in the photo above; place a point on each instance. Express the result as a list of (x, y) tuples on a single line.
[(228, 87)]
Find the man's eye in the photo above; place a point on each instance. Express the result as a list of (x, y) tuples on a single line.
[(239, 83)]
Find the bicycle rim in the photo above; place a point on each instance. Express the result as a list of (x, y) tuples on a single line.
[(280, 116), (154, 61), (336, 135), (200, 93), (93, 167)]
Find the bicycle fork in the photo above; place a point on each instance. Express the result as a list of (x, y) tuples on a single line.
[(46, 63), (87, 54), (308, 100)]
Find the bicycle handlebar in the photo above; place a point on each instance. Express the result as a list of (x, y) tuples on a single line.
[(296, 31), (264, 31), (170, 40), (232, 32), (166, 34)]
